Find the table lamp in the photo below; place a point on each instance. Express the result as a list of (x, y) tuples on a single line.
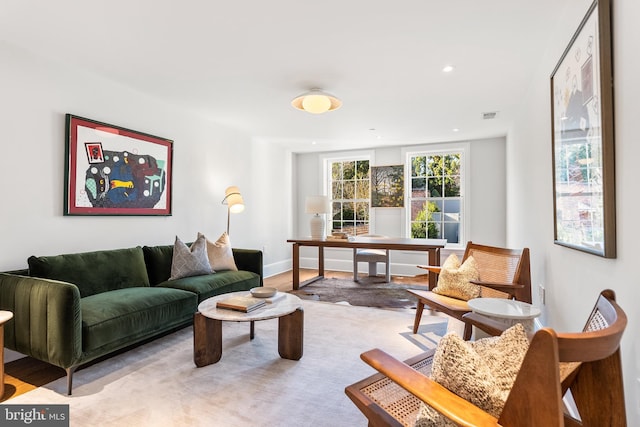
[(317, 205)]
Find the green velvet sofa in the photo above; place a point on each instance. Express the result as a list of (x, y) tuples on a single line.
[(74, 308)]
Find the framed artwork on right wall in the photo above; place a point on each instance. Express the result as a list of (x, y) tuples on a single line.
[(583, 138)]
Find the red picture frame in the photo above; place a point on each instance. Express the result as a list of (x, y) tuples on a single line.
[(111, 170)]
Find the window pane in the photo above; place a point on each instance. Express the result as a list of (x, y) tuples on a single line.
[(452, 164), (433, 230), (362, 211), (336, 190), (348, 211), (452, 186), (418, 211), (434, 187), (362, 169), (336, 171), (349, 190), (418, 166), (349, 171), (451, 232), (337, 211), (362, 189), (419, 230), (434, 165), (452, 206)]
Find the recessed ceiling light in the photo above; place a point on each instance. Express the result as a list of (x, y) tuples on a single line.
[(447, 69), (456, 129)]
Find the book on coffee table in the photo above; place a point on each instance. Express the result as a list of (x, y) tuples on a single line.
[(241, 303)]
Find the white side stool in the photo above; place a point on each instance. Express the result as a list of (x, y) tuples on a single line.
[(506, 311)]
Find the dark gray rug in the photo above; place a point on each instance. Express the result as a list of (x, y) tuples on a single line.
[(367, 292)]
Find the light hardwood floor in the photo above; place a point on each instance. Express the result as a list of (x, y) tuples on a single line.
[(26, 374)]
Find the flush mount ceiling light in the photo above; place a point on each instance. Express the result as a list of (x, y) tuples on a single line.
[(316, 102)]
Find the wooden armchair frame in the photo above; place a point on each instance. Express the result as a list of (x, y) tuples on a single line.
[(587, 363), (502, 273)]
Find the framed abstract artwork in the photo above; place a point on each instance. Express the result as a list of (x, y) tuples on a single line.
[(387, 186), (110, 170), (583, 138)]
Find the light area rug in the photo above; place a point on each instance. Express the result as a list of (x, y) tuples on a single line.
[(157, 384)]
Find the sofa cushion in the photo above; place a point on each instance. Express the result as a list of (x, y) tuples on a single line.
[(94, 272), (110, 319), (215, 284), (158, 260), (190, 261), (220, 253)]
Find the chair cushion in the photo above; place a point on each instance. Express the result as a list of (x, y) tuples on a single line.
[(94, 272), (454, 279), (220, 253), (481, 372), (190, 261)]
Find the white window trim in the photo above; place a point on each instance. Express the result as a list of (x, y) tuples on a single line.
[(462, 147)]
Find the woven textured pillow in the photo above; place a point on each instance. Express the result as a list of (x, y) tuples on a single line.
[(481, 372), (454, 279), (190, 261), (220, 253)]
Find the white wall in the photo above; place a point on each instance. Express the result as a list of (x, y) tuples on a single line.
[(487, 197), (573, 279), (36, 94)]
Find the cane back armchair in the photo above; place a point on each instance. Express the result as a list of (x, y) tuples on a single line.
[(503, 273), (586, 363)]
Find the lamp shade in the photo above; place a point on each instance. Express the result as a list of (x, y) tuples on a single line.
[(234, 199), (317, 204), (316, 102)]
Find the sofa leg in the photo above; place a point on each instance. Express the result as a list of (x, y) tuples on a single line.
[(70, 372)]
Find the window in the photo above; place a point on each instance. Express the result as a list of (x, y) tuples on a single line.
[(435, 195), (349, 186)]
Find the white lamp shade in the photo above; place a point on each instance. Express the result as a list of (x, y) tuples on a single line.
[(234, 199), (317, 204)]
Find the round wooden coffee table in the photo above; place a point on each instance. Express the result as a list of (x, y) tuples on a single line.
[(207, 326)]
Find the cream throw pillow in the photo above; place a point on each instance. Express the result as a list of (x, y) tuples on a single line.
[(220, 253), (481, 372), (189, 261), (454, 279)]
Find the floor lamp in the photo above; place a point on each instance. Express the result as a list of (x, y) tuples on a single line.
[(234, 201)]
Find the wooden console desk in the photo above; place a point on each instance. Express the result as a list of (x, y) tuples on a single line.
[(431, 246)]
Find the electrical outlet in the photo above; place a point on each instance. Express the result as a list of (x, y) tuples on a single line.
[(541, 295)]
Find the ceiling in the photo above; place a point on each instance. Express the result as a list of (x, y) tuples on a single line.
[(240, 63)]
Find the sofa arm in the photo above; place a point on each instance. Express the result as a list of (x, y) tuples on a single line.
[(47, 321), (249, 260)]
